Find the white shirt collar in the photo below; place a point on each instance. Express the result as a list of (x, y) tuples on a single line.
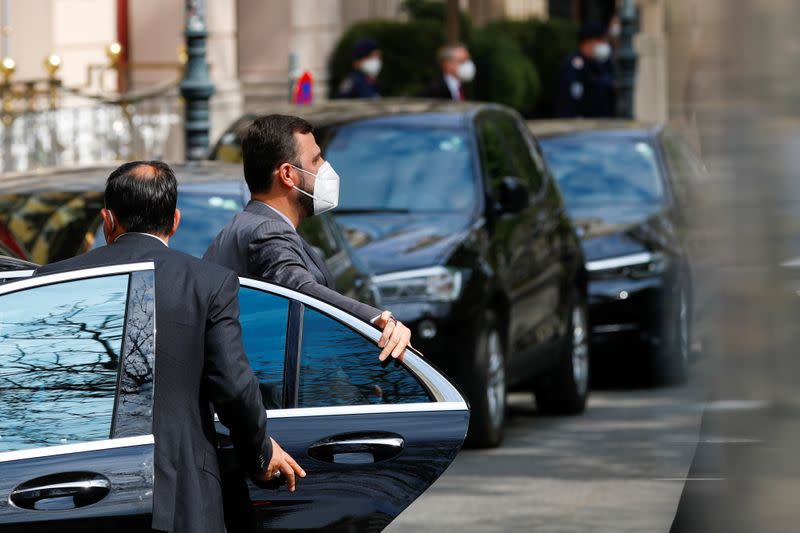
[(284, 217), (454, 84), (140, 233)]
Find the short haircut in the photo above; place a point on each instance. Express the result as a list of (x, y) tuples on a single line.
[(143, 196), (268, 143), (447, 51)]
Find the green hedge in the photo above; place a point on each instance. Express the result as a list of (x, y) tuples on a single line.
[(518, 62)]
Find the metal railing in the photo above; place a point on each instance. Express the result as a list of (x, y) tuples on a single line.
[(45, 124)]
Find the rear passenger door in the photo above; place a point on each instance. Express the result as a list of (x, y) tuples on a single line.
[(76, 382), (371, 437)]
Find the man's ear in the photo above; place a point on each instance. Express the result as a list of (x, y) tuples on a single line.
[(284, 176), (176, 221), (109, 224)]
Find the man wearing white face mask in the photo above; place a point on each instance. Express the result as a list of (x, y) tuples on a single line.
[(289, 181), (361, 82), (588, 80), (457, 69)]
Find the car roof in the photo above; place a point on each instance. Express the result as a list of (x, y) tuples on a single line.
[(419, 111), (600, 127), (210, 176)]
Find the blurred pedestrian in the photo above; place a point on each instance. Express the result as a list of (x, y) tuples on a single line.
[(457, 69), (367, 63), (588, 79)]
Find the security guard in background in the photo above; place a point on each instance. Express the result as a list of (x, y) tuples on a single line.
[(588, 80), (360, 83)]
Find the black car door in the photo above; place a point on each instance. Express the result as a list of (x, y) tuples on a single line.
[(521, 250), (371, 437), (76, 382)]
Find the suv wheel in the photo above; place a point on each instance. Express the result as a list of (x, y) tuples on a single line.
[(565, 390), (487, 392)]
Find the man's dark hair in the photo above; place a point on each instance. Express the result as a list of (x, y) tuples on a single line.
[(143, 196), (268, 143)]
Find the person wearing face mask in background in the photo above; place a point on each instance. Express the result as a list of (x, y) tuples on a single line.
[(361, 82), (588, 80), (457, 69), (289, 181)]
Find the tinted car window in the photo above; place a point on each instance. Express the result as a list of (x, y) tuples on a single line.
[(202, 217), (340, 367), (264, 318), (405, 168), (520, 152), (59, 355), (596, 171), (496, 161)]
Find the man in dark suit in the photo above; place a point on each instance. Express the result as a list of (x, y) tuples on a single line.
[(361, 82), (288, 181), (457, 69), (200, 360)]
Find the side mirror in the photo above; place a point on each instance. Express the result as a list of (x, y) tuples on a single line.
[(513, 195)]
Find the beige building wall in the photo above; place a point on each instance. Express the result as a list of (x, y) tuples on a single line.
[(76, 30), (651, 93)]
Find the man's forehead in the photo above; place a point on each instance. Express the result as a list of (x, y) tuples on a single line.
[(306, 142)]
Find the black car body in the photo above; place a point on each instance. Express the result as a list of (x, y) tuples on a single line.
[(455, 211), (626, 186), (77, 363), (53, 215)]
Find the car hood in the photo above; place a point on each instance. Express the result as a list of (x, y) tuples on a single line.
[(390, 242), (614, 231)]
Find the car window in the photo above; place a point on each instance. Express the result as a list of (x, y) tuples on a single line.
[(601, 171), (264, 319), (401, 167), (60, 349), (497, 163), (521, 153), (203, 215), (338, 366)]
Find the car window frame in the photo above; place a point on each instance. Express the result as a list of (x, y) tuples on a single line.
[(116, 438)]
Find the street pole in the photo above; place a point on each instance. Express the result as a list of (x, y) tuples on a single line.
[(196, 86), (626, 58)]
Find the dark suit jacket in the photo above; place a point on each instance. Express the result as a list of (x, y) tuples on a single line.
[(258, 242), (438, 89), (200, 361)]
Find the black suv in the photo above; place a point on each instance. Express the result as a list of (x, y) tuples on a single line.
[(455, 211)]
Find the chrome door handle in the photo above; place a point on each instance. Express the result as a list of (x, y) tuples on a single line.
[(357, 449), (72, 493)]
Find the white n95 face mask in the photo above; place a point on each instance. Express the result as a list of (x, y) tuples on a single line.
[(371, 67), (601, 52), (326, 188), (466, 71)]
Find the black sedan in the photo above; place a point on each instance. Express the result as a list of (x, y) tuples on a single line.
[(455, 211), (77, 362), (55, 215), (626, 185)]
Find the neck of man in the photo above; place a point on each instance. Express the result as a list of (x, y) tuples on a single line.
[(281, 203)]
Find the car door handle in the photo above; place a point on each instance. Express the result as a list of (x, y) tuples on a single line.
[(60, 491), (357, 449)]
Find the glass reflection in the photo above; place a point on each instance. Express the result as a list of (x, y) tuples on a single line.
[(59, 355), (264, 317), (340, 367)]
